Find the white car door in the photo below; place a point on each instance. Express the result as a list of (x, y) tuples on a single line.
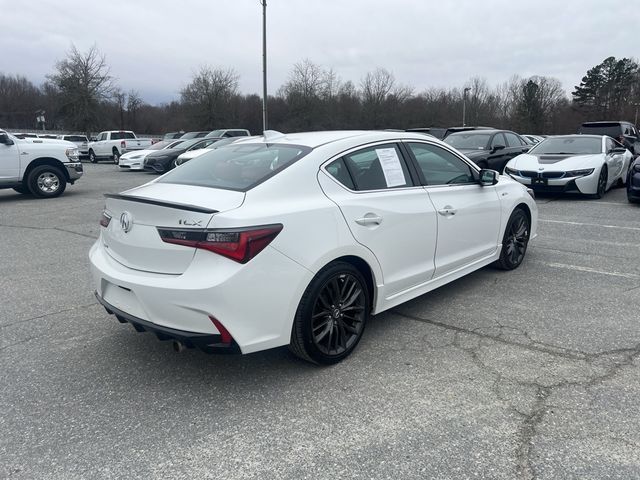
[(469, 214), (386, 213), (615, 161), (100, 147), (9, 161)]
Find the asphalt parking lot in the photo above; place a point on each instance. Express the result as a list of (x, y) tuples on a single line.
[(533, 373)]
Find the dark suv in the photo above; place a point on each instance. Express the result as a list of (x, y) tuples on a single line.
[(625, 132)]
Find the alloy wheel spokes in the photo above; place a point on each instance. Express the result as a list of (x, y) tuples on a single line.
[(338, 314)]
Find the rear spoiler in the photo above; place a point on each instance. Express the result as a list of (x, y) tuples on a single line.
[(151, 201)]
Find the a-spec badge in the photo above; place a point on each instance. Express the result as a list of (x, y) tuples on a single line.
[(190, 223), (126, 222)]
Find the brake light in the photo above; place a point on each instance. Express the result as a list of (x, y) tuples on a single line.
[(105, 219), (238, 244), (123, 144)]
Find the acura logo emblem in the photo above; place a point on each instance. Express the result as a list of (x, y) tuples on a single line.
[(126, 221)]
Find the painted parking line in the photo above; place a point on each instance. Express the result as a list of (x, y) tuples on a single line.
[(637, 229), (591, 270)]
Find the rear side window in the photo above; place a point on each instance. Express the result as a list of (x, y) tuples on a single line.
[(236, 167), (338, 170), (439, 166), (377, 168), (512, 140)]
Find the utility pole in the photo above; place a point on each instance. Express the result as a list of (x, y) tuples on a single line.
[(464, 106), (264, 64), (635, 122)]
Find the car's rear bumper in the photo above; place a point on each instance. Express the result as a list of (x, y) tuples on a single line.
[(209, 343)]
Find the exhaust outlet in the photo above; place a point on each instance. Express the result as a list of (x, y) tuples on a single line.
[(178, 347)]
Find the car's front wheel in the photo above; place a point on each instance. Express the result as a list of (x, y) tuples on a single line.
[(515, 240), (46, 182), (332, 315), (602, 182)]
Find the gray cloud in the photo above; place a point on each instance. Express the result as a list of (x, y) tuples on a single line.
[(155, 46)]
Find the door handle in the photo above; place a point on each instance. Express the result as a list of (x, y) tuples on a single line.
[(369, 219), (447, 211)]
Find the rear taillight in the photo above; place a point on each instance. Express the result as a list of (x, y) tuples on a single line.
[(105, 219), (123, 144), (239, 244)]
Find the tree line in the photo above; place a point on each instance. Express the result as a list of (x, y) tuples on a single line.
[(82, 95)]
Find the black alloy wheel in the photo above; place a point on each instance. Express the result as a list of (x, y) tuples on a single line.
[(602, 183), (515, 240), (332, 315)]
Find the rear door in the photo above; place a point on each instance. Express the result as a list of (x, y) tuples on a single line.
[(468, 214), (386, 212)]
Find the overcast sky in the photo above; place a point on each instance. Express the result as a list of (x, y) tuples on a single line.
[(156, 46)]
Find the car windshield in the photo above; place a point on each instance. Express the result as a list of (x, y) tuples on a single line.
[(215, 133), (568, 146), (161, 145), (236, 167), (472, 141)]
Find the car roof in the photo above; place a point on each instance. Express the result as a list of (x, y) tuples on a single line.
[(317, 139), (614, 123)]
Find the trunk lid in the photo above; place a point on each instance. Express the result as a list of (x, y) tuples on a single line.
[(132, 237)]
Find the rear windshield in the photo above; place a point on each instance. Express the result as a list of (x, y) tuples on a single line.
[(236, 167), (568, 146), (122, 135), (75, 138), (475, 141), (611, 129)]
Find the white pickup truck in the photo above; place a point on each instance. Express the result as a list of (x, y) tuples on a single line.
[(42, 168), (112, 144)]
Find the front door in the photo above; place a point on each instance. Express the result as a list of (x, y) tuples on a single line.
[(468, 213), (9, 163)]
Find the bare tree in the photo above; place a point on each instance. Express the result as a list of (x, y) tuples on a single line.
[(134, 102), (83, 81), (207, 98)]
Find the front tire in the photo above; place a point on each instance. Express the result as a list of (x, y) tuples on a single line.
[(515, 240), (602, 183), (46, 182), (331, 316)]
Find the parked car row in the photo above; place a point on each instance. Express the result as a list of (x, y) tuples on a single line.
[(229, 132)]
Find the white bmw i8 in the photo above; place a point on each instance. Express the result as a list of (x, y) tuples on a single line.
[(297, 239), (588, 164)]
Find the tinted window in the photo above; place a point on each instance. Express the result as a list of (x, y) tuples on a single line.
[(568, 146), (611, 129), (160, 145), (122, 136), (338, 170), (75, 138), (498, 139), (236, 167), (609, 144), (377, 168), (512, 140), (439, 166), (472, 141)]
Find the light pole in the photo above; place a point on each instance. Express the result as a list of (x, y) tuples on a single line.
[(635, 122), (264, 64), (464, 106)]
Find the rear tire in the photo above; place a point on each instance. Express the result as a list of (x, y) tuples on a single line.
[(92, 157), (331, 316), (116, 156), (514, 241), (46, 181)]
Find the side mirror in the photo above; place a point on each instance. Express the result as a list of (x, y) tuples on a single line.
[(488, 177), (5, 140), (497, 147), (526, 149)]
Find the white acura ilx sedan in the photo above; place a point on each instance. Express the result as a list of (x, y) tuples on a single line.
[(297, 239)]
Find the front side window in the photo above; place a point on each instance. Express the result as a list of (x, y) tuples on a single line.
[(439, 166), (378, 168), (236, 167), (512, 140), (498, 139)]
